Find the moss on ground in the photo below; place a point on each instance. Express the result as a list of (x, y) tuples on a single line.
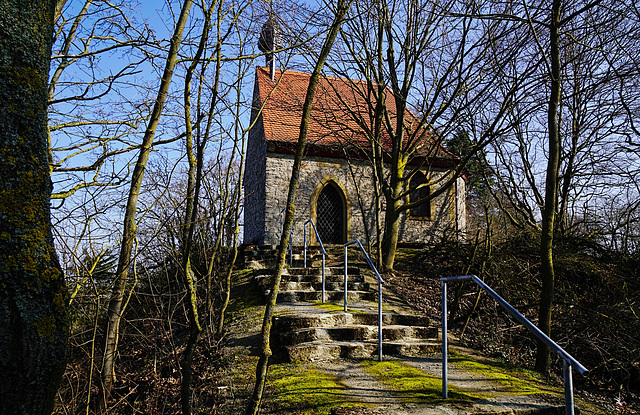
[(408, 254), (330, 307), (302, 389), (334, 308), (413, 385), (518, 381)]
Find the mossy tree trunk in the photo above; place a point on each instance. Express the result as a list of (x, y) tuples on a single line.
[(240, 135), (34, 322), (190, 216), (194, 180), (342, 8), (551, 193), (115, 310)]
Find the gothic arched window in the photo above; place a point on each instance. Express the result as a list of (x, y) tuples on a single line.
[(419, 183)]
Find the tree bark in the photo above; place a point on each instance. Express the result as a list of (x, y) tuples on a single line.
[(391, 232), (34, 321)]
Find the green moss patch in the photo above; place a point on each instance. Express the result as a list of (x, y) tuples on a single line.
[(334, 308), (301, 389), (413, 385), (520, 382), (331, 307)]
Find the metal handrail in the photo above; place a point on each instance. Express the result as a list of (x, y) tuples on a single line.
[(380, 282), (324, 253), (568, 360)]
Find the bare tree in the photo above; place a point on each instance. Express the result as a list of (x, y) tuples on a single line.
[(427, 72), (562, 151), (129, 231), (87, 138)]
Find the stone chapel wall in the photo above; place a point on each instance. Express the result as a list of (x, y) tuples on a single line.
[(254, 186), (317, 169)]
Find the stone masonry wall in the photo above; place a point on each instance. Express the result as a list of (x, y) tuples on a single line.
[(316, 169), (254, 186)]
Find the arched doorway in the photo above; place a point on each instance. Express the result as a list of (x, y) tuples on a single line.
[(331, 214)]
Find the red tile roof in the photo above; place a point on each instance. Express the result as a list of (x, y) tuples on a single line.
[(339, 116)]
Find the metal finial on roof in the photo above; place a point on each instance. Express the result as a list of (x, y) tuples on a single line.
[(270, 40)]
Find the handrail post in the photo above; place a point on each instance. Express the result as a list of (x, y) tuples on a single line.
[(380, 282), (323, 296), (345, 278), (291, 246), (567, 359), (281, 222), (324, 252), (304, 232), (445, 368), (379, 321), (568, 388)]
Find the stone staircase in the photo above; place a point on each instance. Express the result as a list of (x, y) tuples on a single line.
[(304, 329), (309, 337), (323, 336)]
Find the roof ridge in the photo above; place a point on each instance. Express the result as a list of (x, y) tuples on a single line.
[(307, 74)]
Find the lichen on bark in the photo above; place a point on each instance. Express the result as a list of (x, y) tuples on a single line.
[(34, 322)]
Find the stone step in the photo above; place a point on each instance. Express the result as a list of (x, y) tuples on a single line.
[(318, 271), (264, 256), (317, 286), (315, 262), (357, 333), (332, 250), (332, 282), (356, 350), (303, 321), (332, 296), (336, 271), (248, 255)]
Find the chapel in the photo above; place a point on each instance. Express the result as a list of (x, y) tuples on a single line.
[(336, 179), (336, 184)]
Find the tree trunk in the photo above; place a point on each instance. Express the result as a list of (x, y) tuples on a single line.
[(551, 195), (240, 136), (227, 280), (263, 362), (34, 322), (391, 230), (194, 335), (115, 310), (194, 177), (392, 214)]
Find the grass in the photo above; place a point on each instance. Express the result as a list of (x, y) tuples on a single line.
[(413, 385), (302, 389)]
